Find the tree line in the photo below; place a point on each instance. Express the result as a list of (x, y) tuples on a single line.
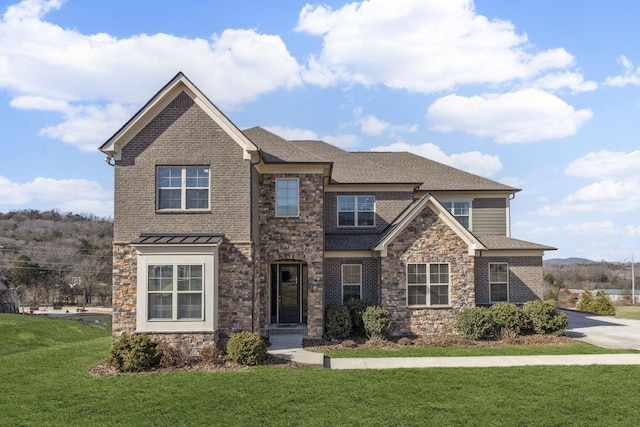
[(58, 258)]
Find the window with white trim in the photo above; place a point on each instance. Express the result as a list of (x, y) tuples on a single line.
[(287, 197), (498, 282), (176, 291), (356, 211), (183, 188), (428, 284), (351, 282), (460, 210)]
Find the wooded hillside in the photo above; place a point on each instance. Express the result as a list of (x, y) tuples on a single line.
[(49, 257)]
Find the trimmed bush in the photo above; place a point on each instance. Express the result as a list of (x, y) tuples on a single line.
[(246, 348), (544, 318), (377, 321), (405, 341), (475, 323), (356, 307), (349, 344), (134, 354), (172, 356), (507, 316), (600, 304), (338, 322), (211, 354)]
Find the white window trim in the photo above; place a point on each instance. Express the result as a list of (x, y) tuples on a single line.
[(428, 285), (355, 211), (498, 283), (297, 214), (453, 201), (206, 256), (349, 284), (183, 190)]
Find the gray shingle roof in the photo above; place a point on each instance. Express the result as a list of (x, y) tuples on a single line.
[(507, 243), (350, 242), (370, 167)]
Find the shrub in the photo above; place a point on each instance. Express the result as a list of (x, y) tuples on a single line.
[(600, 304), (134, 354), (475, 323), (338, 322), (349, 344), (507, 316), (211, 354), (377, 321), (356, 307), (246, 348), (544, 318), (172, 356)]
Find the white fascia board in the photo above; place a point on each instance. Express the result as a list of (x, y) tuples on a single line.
[(276, 168), (336, 188), (511, 253)]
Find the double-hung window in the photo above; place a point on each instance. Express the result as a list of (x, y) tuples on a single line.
[(428, 284), (175, 292), (183, 188), (356, 211), (498, 282), (351, 282), (287, 197), (460, 210)]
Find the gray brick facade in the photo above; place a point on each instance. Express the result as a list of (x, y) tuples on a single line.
[(525, 278), (370, 290)]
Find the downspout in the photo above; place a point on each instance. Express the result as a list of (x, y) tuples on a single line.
[(254, 277)]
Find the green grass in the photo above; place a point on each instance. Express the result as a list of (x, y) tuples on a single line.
[(506, 350), (628, 312), (44, 382)]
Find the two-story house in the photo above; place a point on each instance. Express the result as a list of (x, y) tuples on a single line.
[(220, 230)]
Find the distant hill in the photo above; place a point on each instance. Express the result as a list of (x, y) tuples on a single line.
[(568, 261)]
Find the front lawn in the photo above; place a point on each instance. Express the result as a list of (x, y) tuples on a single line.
[(44, 380)]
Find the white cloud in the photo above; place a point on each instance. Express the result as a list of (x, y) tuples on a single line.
[(93, 73), (293, 134), (523, 116), (373, 126), (344, 141), (559, 80), (420, 45), (631, 76), (471, 161), (66, 194), (606, 164), (600, 228)]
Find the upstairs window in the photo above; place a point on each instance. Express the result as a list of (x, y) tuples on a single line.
[(356, 211), (287, 197), (460, 210), (427, 284), (183, 188)]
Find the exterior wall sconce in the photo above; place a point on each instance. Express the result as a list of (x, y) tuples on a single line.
[(314, 285)]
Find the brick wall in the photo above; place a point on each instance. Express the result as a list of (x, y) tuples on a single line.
[(181, 135), (333, 279), (426, 239), (525, 278)]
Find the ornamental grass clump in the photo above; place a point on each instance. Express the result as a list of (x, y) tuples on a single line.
[(246, 348)]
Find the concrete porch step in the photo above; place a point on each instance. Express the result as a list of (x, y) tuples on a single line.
[(287, 330)]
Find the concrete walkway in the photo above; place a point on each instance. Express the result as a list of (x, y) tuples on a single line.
[(603, 331)]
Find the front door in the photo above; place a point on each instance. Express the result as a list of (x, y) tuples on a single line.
[(288, 294)]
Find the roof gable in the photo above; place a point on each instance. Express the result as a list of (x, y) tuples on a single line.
[(427, 201), (179, 84)]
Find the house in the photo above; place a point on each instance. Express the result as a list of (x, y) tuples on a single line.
[(219, 230)]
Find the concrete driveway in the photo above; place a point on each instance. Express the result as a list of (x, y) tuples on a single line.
[(603, 331)]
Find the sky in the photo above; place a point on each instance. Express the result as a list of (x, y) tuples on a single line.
[(540, 95)]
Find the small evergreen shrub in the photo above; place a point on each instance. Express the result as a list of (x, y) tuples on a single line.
[(600, 304), (356, 307), (246, 348), (134, 354), (507, 316), (544, 318), (377, 321), (338, 322), (475, 323)]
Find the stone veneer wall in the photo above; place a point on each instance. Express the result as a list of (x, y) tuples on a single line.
[(333, 279), (525, 278), (426, 239), (235, 290), (293, 239)]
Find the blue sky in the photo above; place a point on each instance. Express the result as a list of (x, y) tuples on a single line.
[(538, 94)]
